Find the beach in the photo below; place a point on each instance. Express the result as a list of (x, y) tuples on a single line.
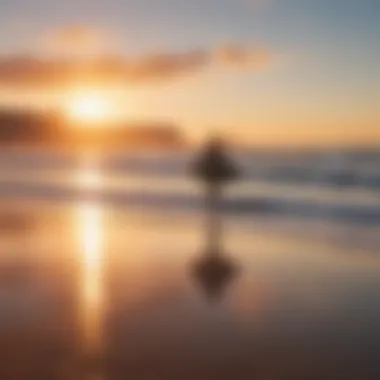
[(97, 277)]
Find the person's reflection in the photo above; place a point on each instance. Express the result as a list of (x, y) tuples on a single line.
[(214, 272), (91, 235)]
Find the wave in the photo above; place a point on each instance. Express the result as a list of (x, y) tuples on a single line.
[(317, 187), (324, 170), (238, 206)]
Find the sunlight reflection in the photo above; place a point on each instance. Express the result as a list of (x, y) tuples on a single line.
[(91, 227), (91, 238)]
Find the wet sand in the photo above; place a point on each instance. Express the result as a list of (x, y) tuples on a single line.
[(89, 291)]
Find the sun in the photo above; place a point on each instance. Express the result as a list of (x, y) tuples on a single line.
[(89, 109)]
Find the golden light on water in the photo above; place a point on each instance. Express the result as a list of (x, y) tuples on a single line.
[(91, 244)]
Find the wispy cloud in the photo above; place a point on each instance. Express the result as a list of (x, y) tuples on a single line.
[(35, 74), (74, 40), (238, 56)]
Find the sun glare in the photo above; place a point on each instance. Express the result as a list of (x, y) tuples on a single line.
[(89, 108)]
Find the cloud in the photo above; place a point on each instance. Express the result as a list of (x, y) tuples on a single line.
[(31, 73), (237, 56), (74, 39)]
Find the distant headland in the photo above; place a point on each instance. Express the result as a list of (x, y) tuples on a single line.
[(51, 129)]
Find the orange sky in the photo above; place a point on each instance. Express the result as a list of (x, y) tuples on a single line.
[(265, 75)]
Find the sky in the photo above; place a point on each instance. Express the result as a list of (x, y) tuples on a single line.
[(298, 72)]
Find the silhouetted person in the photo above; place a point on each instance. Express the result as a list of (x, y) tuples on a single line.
[(214, 169)]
